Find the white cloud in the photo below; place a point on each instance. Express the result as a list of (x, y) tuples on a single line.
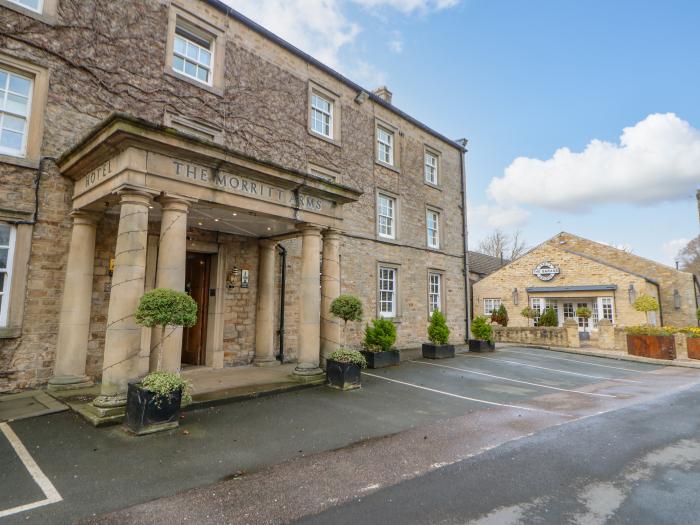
[(409, 6), (670, 249), (322, 28), (396, 43), (657, 159), (487, 217)]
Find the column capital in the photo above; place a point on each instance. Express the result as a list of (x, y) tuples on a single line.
[(174, 202), (309, 229), (135, 196), (332, 234), (89, 218)]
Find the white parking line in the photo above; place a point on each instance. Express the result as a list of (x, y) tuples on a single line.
[(52, 495), (513, 380), (550, 369), (547, 356), (464, 397)]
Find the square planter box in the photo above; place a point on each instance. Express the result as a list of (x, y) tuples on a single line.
[(693, 347), (431, 351), (381, 359), (147, 413), (344, 376), (654, 346), (479, 345)]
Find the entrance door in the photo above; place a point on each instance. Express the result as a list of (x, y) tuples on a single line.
[(194, 339), (583, 321)]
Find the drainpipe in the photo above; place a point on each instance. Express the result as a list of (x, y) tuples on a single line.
[(280, 331), (467, 291), (37, 183)]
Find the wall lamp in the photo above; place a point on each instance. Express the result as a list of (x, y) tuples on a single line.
[(676, 299), (515, 297), (362, 97), (632, 293)]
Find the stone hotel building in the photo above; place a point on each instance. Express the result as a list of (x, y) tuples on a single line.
[(175, 143)]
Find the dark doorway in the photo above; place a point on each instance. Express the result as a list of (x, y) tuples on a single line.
[(194, 339)]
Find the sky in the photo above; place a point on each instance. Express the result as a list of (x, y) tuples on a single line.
[(582, 116)]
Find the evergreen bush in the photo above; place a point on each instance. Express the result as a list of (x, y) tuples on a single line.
[(380, 336), (438, 332), (481, 329), (548, 318), (500, 316)]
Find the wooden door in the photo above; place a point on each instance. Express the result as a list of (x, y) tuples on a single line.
[(194, 339)]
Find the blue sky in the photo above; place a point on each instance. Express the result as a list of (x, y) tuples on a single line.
[(524, 79)]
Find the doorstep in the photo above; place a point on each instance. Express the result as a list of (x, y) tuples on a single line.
[(610, 354), (31, 403)]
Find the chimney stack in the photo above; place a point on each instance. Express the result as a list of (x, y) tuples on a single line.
[(384, 93)]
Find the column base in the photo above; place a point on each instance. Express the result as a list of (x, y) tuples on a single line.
[(309, 373), (100, 416), (57, 383), (266, 362)]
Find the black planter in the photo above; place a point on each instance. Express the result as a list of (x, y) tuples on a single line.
[(147, 412), (431, 351), (479, 345), (345, 376), (381, 359)]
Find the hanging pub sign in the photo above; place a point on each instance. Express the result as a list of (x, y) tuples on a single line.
[(545, 271)]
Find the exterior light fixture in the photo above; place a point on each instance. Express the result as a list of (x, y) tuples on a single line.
[(632, 293), (362, 97), (676, 299), (515, 296)]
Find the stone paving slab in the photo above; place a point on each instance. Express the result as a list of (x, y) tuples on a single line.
[(28, 404)]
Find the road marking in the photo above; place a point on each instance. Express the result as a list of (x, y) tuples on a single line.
[(576, 361), (513, 380), (464, 397), (550, 369), (52, 495)]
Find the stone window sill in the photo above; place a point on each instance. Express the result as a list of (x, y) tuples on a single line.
[(387, 166), (324, 138), (10, 332), (19, 161), (211, 89)]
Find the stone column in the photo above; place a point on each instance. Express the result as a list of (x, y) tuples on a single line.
[(170, 273), (74, 323), (308, 356), (331, 327), (123, 360), (265, 314)]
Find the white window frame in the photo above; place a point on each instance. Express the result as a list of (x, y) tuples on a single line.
[(606, 308), (6, 288), (185, 27), (491, 304), (385, 148), (387, 275), (434, 292), (537, 303), (389, 224), (431, 168), (39, 9), (22, 151), (326, 117), (433, 233)]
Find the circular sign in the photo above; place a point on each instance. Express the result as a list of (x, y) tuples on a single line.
[(545, 271)]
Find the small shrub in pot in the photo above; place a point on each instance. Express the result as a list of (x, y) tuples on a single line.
[(483, 336), (500, 316), (378, 344), (548, 318), (439, 335), (343, 368)]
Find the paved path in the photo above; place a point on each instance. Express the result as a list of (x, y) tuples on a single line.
[(418, 420)]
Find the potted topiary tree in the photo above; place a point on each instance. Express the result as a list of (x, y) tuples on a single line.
[(378, 345), (548, 318), (646, 303), (584, 313), (343, 368), (153, 403), (500, 316), (348, 308), (483, 336), (439, 335), (529, 314)]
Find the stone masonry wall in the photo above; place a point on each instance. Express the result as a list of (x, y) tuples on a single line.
[(103, 57)]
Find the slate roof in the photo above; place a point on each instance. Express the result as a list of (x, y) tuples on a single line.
[(483, 264)]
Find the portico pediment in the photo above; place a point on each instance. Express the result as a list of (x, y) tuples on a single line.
[(124, 151)]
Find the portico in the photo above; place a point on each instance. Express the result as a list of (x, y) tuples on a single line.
[(179, 204)]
